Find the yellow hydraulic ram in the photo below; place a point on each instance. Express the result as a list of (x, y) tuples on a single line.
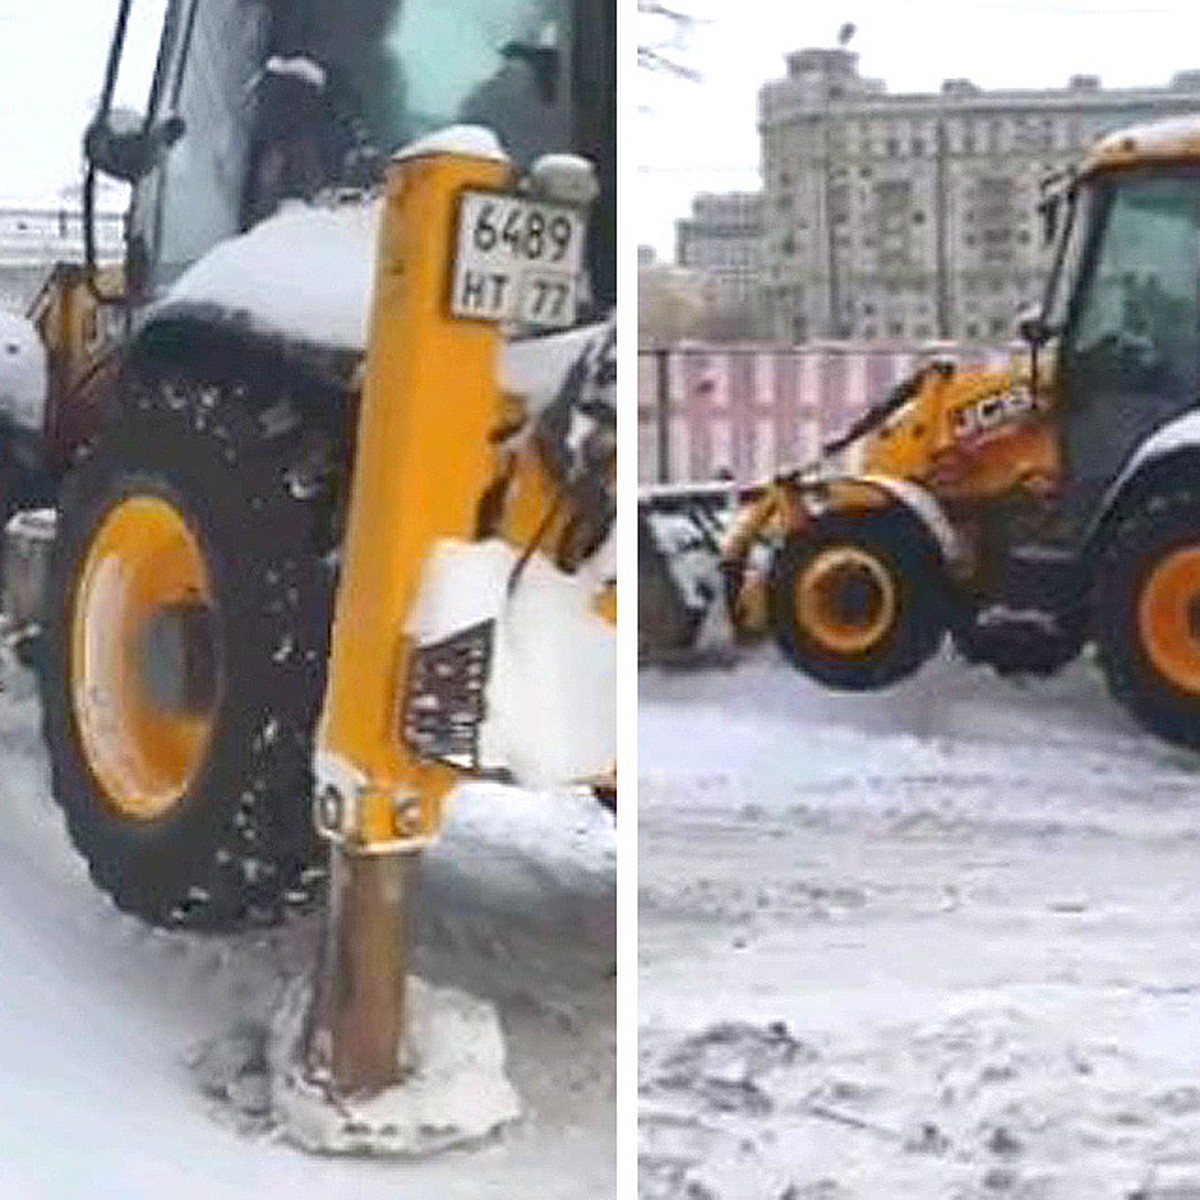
[(430, 400)]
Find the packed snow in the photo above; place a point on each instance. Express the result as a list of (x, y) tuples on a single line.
[(551, 696), (297, 66), (455, 1090), (326, 253), (307, 272), (136, 1060), (473, 141), (939, 942)]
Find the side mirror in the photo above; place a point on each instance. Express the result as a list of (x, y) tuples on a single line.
[(1033, 328), (119, 144)]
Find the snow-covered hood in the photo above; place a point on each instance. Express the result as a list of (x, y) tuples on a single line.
[(307, 274)]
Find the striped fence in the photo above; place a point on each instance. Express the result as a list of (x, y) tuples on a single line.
[(745, 411)]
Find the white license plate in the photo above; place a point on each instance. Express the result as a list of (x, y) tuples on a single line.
[(517, 260)]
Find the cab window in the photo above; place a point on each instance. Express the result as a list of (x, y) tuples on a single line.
[(1136, 318)]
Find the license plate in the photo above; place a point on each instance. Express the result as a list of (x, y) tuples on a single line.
[(517, 260)]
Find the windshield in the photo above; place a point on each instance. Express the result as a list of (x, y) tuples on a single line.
[(282, 99), (405, 67)]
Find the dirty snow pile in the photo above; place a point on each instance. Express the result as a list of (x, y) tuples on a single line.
[(137, 1061), (939, 943)]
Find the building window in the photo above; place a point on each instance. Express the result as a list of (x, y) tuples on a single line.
[(893, 221), (839, 204)]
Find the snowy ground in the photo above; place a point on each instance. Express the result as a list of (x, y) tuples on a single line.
[(942, 942), (99, 1016)]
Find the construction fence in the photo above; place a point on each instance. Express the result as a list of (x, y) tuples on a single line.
[(744, 411)]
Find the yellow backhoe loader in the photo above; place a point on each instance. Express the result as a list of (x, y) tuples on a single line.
[(1023, 513), (200, 412)]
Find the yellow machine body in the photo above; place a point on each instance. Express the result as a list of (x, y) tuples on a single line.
[(969, 436), (429, 403)]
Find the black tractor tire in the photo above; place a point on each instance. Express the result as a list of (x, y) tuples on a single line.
[(1154, 526), (238, 848), (914, 566)]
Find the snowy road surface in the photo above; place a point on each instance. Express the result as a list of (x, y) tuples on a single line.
[(99, 1015), (942, 942)]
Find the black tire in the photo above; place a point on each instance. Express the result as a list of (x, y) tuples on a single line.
[(1153, 527), (239, 844), (914, 566)]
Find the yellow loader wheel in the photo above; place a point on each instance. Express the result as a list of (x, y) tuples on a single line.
[(857, 599), (1147, 613), (185, 654)]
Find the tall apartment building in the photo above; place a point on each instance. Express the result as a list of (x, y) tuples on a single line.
[(723, 240), (914, 216)]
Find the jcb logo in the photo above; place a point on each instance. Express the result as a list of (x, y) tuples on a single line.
[(993, 413)]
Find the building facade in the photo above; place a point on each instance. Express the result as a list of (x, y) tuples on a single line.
[(913, 217), (723, 241)]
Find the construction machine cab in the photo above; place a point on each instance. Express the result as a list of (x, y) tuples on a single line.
[(1119, 330), (256, 101)]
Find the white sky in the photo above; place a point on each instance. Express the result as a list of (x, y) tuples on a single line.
[(701, 136), (52, 56), (690, 137)]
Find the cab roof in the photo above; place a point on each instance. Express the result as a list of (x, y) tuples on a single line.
[(1175, 139)]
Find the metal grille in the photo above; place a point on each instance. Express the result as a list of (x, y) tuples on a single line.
[(444, 706)]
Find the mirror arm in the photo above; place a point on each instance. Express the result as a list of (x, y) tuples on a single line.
[(115, 49), (543, 61)]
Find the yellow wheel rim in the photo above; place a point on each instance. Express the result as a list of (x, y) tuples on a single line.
[(845, 600), (142, 560), (1168, 618)]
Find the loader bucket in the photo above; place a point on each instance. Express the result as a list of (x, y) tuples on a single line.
[(682, 610)]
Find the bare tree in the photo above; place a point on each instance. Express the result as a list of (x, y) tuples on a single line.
[(662, 37)]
